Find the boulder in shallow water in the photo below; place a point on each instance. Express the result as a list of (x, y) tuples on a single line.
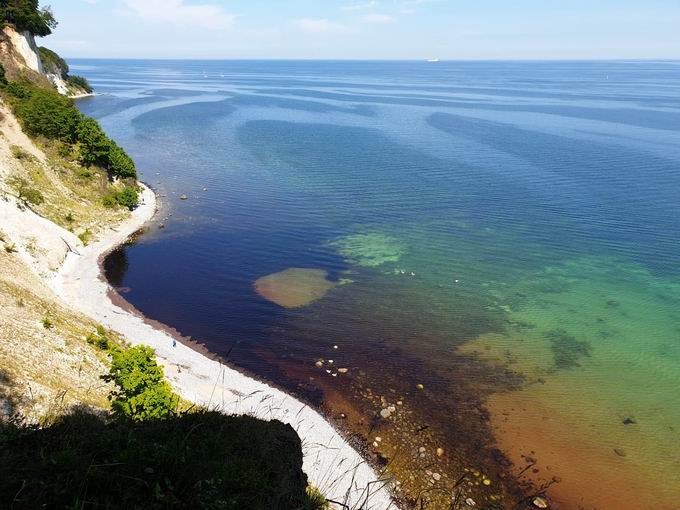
[(539, 502)]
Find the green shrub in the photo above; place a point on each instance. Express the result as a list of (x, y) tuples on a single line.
[(20, 153), (3, 77), (127, 197), (85, 236), (47, 113), (27, 194), (79, 82), (64, 150), (44, 112), (141, 393), (52, 62), (18, 90), (120, 164), (47, 323), (94, 144)]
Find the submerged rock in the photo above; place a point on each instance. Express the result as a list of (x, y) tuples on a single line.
[(294, 287), (369, 250)]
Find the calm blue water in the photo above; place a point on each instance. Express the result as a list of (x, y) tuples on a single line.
[(524, 198)]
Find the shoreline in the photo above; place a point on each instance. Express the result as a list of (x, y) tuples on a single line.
[(331, 464)]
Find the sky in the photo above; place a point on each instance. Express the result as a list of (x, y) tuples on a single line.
[(367, 29)]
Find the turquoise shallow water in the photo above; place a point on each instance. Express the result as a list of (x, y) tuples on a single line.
[(496, 227)]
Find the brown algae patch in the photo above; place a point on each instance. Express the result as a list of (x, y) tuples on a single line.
[(294, 287)]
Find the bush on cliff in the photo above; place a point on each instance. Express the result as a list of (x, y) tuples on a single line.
[(46, 113), (127, 197), (54, 64), (80, 83), (141, 393)]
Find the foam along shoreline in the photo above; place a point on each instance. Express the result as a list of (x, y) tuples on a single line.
[(331, 464)]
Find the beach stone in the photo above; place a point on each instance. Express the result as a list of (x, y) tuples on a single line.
[(629, 421), (385, 413), (440, 452), (318, 364), (436, 476), (421, 449), (343, 370), (184, 197), (539, 502), (420, 386), (470, 502), (620, 452)]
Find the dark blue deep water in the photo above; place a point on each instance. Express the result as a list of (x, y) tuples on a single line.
[(494, 226)]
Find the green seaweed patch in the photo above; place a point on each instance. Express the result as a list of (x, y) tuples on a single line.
[(567, 350), (369, 250)]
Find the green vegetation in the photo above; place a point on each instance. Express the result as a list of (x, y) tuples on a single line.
[(85, 236), (3, 77), (150, 456), (27, 194), (54, 64), (79, 82), (127, 197), (47, 323), (20, 153), (27, 15), (44, 113), (142, 392)]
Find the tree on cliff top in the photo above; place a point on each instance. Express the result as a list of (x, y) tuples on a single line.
[(28, 15)]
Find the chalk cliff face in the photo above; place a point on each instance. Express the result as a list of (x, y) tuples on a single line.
[(20, 56), (25, 46)]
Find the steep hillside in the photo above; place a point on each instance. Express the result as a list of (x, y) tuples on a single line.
[(46, 363)]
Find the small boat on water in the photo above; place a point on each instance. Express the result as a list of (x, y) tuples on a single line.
[(433, 60)]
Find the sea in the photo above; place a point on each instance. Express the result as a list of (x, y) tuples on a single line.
[(472, 268)]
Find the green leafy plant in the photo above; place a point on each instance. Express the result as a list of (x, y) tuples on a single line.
[(26, 193), (85, 236), (27, 15), (141, 392), (47, 322), (20, 153), (127, 197), (79, 82), (46, 113), (120, 164)]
